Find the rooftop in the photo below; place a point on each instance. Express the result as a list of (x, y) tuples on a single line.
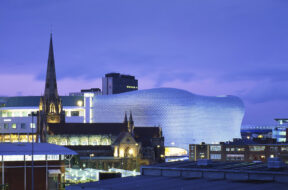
[(172, 183), (33, 101), (39, 149), (186, 174)]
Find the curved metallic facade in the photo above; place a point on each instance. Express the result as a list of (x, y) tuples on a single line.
[(185, 118)]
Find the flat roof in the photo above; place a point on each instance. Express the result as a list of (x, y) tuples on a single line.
[(39, 149), (172, 183), (33, 101), (217, 165), (188, 175)]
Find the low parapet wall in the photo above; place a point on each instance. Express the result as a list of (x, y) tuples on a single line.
[(219, 174)]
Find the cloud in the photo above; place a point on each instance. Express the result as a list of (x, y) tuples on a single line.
[(267, 91), (25, 85)]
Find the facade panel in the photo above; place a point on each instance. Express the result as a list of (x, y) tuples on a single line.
[(184, 117)]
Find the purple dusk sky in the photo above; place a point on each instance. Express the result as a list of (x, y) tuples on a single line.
[(208, 47)]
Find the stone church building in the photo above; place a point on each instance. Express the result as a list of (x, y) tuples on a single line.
[(99, 145)]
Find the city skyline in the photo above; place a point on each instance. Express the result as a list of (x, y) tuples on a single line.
[(230, 49)]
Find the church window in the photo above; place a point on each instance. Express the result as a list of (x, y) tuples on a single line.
[(52, 108)]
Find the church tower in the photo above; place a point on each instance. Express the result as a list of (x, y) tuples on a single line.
[(50, 107), (131, 124)]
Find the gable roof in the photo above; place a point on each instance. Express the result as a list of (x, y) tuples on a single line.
[(121, 137)]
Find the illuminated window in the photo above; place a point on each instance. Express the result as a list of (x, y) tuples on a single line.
[(23, 138), (13, 157), (235, 157), (260, 136), (240, 149), (52, 108), (79, 103), (215, 148), (32, 125), (257, 148), (133, 87), (215, 156), (13, 126), (130, 152), (52, 157)]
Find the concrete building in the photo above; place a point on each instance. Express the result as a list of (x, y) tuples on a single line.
[(116, 83)]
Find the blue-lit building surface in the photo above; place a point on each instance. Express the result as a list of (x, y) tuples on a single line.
[(185, 117)]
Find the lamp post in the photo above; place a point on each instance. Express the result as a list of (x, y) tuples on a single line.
[(32, 157)]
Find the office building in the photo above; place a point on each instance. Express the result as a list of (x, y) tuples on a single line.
[(238, 150), (116, 83)]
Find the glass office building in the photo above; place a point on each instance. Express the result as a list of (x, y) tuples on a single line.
[(185, 118)]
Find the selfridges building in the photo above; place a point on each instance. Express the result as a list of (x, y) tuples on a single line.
[(185, 118)]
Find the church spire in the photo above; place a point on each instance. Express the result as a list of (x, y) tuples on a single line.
[(51, 84), (131, 118), (125, 118)]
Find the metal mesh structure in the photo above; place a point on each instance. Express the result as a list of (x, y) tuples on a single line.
[(185, 118)]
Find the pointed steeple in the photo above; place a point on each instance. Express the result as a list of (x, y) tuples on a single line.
[(131, 118), (131, 124), (125, 118), (51, 84)]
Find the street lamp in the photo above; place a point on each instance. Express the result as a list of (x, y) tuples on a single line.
[(32, 157)]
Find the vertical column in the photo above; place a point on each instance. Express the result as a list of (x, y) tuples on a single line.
[(88, 105), (3, 182), (24, 172), (46, 172)]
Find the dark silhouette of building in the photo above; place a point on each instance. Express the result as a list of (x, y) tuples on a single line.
[(115, 83), (50, 107)]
